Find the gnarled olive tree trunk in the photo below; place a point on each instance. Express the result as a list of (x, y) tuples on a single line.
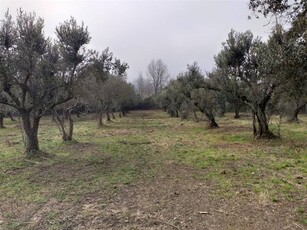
[(295, 112), (1, 121), (260, 123), (30, 126), (66, 130), (209, 115), (237, 107)]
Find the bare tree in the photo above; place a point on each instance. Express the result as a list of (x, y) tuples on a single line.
[(143, 86), (158, 71)]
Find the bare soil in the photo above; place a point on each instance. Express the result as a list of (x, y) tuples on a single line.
[(173, 200)]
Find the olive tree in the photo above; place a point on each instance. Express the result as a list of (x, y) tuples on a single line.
[(36, 74), (257, 66), (295, 75)]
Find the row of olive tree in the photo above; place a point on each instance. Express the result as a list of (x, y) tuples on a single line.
[(39, 76), (261, 75), (36, 73)]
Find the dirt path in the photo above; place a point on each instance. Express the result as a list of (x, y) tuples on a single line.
[(174, 200)]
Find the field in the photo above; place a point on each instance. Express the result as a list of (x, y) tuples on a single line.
[(150, 171)]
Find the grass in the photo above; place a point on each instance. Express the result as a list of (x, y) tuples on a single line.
[(100, 161)]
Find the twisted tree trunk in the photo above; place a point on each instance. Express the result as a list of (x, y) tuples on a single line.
[(31, 133), (297, 109), (1, 121), (237, 110), (66, 131), (260, 123)]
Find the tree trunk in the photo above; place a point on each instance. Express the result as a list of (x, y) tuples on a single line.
[(120, 114), (263, 127), (71, 127), (254, 123), (53, 117), (11, 116), (100, 116), (113, 116), (1, 121), (67, 133), (237, 111), (209, 115), (108, 116), (212, 124), (294, 116), (195, 115), (31, 133), (211, 120), (172, 113), (184, 114)]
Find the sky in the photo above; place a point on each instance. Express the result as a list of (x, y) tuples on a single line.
[(178, 32)]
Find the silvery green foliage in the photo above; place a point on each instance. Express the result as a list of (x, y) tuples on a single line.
[(37, 74)]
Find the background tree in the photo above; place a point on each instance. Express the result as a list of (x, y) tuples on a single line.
[(103, 87), (257, 66), (295, 75), (158, 72), (93, 90), (143, 86), (230, 67)]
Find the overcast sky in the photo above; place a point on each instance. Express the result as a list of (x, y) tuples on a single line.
[(177, 31)]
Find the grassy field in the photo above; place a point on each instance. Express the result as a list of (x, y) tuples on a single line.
[(150, 171)]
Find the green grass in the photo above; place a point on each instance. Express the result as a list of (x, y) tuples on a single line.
[(102, 160)]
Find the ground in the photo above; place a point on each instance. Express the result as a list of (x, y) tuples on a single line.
[(150, 171)]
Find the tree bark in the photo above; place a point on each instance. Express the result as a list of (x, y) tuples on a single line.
[(237, 111), (1, 121), (108, 116), (67, 133), (294, 116), (100, 116), (31, 133), (11, 116), (184, 114), (211, 120), (212, 124), (195, 115), (209, 115), (71, 127), (260, 120)]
